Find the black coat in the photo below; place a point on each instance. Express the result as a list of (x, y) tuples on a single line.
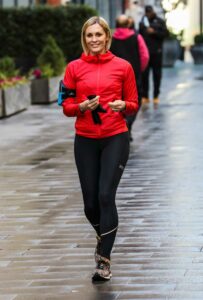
[(128, 49), (154, 41)]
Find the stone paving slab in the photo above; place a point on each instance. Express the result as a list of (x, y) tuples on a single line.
[(46, 244)]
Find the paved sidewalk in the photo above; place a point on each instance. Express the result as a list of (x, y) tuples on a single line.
[(46, 244)]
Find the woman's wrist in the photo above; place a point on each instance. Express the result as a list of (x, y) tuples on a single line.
[(81, 107), (124, 106)]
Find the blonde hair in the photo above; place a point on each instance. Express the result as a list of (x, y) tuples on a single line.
[(102, 22)]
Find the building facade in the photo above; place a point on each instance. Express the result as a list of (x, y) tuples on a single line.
[(20, 3), (108, 9), (16, 3)]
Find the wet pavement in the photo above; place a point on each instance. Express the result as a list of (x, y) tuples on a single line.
[(46, 244)]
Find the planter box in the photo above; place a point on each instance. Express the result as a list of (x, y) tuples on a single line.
[(45, 90), (197, 54), (171, 52), (14, 99), (1, 104)]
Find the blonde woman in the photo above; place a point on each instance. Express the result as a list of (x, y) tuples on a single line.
[(100, 90)]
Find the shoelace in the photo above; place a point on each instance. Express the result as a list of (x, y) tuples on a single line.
[(103, 265)]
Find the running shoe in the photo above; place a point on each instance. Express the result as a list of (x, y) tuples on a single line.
[(102, 271)]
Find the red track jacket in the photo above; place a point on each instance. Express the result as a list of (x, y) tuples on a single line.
[(109, 77)]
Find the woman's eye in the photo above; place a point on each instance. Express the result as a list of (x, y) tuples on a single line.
[(98, 34)]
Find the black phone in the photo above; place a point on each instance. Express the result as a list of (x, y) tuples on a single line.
[(90, 97)]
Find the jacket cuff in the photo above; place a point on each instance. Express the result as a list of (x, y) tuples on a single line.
[(130, 108)]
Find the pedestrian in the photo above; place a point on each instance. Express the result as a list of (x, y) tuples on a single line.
[(153, 29), (129, 45), (100, 89)]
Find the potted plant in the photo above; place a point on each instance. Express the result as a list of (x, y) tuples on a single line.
[(197, 49), (45, 78), (14, 89), (171, 50)]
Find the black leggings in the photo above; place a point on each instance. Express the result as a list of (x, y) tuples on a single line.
[(100, 164)]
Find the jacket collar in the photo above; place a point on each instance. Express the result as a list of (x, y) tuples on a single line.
[(101, 58)]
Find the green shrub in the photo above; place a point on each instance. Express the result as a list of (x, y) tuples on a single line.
[(51, 60), (9, 74), (64, 23), (198, 39), (172, 36), (47, 71), (7, 67)]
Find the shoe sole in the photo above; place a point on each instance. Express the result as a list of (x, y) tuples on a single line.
[(98, 277)]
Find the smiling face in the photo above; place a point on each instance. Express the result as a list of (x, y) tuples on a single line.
[(96, 39)]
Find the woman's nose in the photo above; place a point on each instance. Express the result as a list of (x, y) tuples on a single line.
[(94, 38)]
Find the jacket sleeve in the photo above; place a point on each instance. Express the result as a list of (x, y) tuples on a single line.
[(70, 105), (143, 53), (160, 28), (130, 95), (142, 28)]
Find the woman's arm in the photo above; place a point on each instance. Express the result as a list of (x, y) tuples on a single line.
[(70, 107)]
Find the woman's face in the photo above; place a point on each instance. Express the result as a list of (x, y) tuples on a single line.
[(96, 39)]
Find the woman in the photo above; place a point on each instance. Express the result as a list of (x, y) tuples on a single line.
[(94, 86)]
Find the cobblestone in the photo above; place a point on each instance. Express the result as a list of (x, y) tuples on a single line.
[(46, 244)]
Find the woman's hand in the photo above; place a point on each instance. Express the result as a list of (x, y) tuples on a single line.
[(89, 104), (117, 105), (93, 103)]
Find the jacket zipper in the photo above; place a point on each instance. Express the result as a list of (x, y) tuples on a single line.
[(98, 80)]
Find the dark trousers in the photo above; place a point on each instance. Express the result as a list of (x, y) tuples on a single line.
[(155, 63), (100, 164), (131, 118)]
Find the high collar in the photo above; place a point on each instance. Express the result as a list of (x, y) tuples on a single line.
[(102, 58), (123, 33)]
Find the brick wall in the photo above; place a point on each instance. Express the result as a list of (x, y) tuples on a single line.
[(50, 2), (54, 2)]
